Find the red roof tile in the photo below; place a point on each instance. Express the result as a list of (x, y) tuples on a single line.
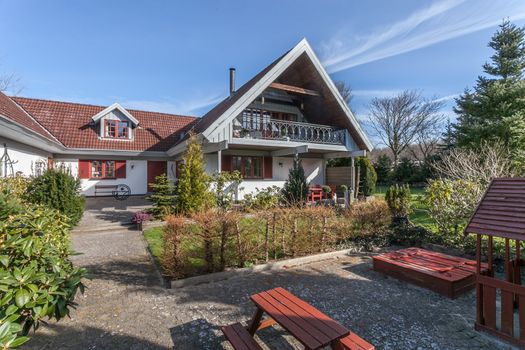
[(9, 109), (72, 125)]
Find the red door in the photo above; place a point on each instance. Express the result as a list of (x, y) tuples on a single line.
[(156, 168)]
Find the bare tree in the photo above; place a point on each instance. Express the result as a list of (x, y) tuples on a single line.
[(345, 90), (428, 138), (480, 166), (10, 82), (399, 120)]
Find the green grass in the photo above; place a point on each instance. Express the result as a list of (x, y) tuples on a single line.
[(155, 241), (420, 215)]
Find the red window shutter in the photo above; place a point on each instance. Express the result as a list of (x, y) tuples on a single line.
[(84, 168), (120, 169), (226, 163), (268, 167)]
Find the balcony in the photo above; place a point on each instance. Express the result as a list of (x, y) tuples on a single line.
[(282, 130)]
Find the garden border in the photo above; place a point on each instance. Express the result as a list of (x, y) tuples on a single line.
[(270, 266)]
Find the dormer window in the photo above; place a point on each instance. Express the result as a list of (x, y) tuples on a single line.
[(117, 129)]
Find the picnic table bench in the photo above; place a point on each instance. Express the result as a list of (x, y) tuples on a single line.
[(309, 326), (119, 191)]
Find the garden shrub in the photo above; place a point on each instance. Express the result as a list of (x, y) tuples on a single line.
[(14, 186), (398, 200), (367, 176), (37, 279), (163, 197), (383, 168), (451, 203), (264, 199), (172, 259), (226, 184), (57, 189), (295, 188)]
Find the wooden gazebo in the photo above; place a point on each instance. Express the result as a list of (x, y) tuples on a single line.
[(501, 213)]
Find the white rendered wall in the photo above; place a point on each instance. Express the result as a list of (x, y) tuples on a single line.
[(136, 176), (313, 169), (25, 157)]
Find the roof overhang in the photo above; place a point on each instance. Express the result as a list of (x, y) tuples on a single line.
[(118, 107)]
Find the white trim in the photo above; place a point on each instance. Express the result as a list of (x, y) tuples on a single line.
[(114, 106), (214, 147), (274, 73), (290, 151), (261, 144), (360, 153)]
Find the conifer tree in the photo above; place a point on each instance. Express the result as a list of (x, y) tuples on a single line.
[(163, 197), (495, 110), (193, 189), (295, 188)]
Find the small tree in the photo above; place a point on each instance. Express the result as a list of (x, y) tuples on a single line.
[(193, 189), (368, 176), (163, 197), (383, 168), (398, 200), (295, 188), (226, 185)]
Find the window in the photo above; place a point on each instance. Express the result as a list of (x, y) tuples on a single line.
[(103, 169), (117, 129), (249, 167)]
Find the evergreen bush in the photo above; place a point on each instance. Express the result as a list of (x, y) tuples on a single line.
[(295, 188), (58, 189), (368, 176), (398, 200), (163, 197)]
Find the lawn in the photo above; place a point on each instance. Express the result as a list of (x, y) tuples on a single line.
[(155, 241), (419, 214)]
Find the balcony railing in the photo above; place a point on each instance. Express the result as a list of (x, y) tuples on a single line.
[(282, 130)]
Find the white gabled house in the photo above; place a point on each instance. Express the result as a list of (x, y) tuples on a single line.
[(292, 106)]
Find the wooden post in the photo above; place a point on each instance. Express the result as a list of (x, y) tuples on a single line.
[(517, 269), (479, 287), (508, 272), (490, 259)]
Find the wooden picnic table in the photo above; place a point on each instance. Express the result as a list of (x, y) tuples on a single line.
[(308, 325)]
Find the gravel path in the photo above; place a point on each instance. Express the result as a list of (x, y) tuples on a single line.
[(125, 307)]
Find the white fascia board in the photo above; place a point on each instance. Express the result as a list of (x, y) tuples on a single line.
[(17, 132), (257, 89), (335, 92), (258, 143), (214, 147), (360, 153), (112, 153), (290, 151), (114, 106)]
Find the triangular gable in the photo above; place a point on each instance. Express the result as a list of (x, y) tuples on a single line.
[(111, 108), (231, 107)]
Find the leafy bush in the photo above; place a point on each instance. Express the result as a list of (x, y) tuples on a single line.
[(264, 199), (367, 175), (409, 234), (193, 189), (398, 200), (37, 279), (370, 221), (58, 189), (163, 197), (14, 186), (295, 188), (451, 203), (226, 185)]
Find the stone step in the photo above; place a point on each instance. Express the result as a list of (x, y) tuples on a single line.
[(105, 227)]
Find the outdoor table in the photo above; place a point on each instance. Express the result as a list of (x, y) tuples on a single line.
[(308, 325)]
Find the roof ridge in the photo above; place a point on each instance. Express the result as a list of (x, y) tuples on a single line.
[(99, 106)]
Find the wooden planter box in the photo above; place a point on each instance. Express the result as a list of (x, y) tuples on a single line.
[(447, 275)]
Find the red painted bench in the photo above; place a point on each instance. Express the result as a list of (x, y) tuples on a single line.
[(239, 337), (354, 342)]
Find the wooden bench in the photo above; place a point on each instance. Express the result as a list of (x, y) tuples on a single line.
[(239, 337), (106, 190), (355, 342)]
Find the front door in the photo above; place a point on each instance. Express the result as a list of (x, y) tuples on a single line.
[(156, 168)]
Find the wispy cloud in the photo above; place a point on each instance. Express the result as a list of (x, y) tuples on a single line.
[(445, 98), (376, 93), (441, 21), (189, 106)]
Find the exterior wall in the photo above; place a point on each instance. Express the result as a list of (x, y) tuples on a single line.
[(26, 158), (136, 176), (211, 163), (114, 115)]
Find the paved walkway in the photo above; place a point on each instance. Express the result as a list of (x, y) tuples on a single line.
[(125, 307)]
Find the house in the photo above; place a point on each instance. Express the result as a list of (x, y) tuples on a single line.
[(291, 106)]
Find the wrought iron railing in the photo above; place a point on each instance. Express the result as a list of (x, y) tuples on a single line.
[(273, 129)]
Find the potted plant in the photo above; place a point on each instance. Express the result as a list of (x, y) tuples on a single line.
[(139, 218), (326, 191)]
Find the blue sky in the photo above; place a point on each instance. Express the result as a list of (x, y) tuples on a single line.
[(174, 56)]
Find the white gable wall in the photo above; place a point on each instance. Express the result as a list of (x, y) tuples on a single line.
[(26, 158), (115, 114)]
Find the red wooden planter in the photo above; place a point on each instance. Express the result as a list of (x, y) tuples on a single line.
[(447, 275)]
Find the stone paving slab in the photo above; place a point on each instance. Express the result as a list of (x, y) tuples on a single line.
[(125, 307)]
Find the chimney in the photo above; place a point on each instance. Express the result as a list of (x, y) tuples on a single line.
[(232, 81)]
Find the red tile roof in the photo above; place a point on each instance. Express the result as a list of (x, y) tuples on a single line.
[(9, 109), (72, 125)]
